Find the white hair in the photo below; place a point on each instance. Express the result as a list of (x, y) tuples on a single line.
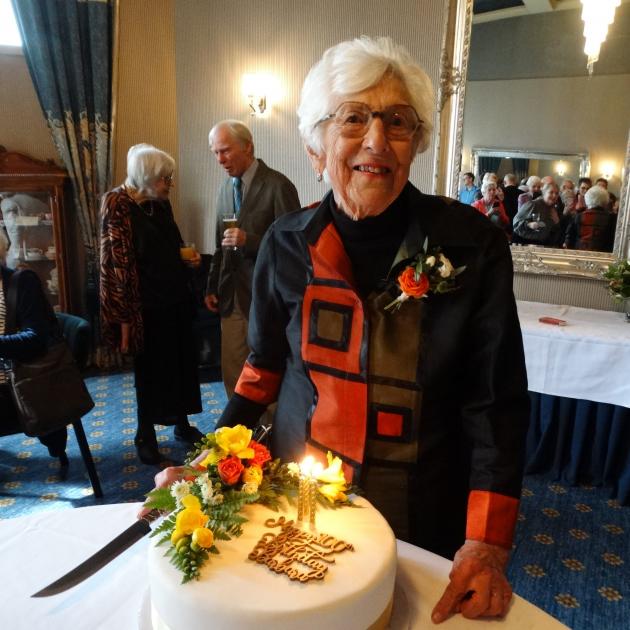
[(145, 165), (490, 177), (4, 246), (357, 65), (550, 186), (532, 181), (487, 183), (596, 196), (238, 130)]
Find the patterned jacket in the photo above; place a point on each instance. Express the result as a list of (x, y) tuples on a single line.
[(119, 282), (443, 392)]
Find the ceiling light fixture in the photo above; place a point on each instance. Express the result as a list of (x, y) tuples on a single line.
[(597, 15)]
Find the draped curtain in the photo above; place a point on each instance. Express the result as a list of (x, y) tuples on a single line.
[(68, 49), (520, 167), (488, 165)]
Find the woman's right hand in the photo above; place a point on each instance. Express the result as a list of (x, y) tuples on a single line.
[(170, 475), (124, 338)]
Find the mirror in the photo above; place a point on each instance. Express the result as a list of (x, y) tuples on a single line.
[(528, 96)]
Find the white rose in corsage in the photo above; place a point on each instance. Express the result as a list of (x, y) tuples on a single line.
[(428, 272)]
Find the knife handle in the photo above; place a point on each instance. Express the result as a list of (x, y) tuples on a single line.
[(151, 516)]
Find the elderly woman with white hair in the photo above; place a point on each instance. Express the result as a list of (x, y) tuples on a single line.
[(147, 306), (490, 205), (534, 185), (593, 229), (426, 404), (35, 325)]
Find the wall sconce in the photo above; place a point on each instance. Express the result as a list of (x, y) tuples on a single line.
[(608, 170), (561, 169), (259, 90)]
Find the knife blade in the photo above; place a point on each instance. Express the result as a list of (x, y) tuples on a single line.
[(102, 557)]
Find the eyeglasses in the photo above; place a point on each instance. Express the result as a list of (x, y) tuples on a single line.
[(354, 119)]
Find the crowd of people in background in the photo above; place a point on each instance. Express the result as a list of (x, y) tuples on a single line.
[(538, 211)]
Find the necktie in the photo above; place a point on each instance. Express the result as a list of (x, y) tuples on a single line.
[(238, 194)]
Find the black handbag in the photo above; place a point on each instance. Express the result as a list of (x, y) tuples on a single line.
[(48, 391)]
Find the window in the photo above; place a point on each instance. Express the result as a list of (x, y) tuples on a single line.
[(9, 33)]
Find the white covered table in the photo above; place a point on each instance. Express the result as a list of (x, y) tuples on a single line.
[(580, 391), (36, 550)]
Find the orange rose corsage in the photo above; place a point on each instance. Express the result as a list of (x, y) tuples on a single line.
[(429, 272)]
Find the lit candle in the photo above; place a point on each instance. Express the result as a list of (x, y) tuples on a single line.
[(304, 488)]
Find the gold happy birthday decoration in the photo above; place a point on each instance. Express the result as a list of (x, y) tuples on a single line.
[(300, 555)]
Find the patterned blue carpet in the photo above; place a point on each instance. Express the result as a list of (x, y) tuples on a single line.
[(572, 550)]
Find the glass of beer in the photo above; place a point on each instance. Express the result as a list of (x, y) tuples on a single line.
[(230, 221), (187, 251)]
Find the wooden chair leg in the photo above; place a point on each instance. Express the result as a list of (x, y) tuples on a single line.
[(87, 458)]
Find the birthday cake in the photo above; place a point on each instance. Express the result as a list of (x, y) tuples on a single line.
[(240, 589)]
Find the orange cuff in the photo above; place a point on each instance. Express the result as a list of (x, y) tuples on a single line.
[(491, 518), (261, 386)]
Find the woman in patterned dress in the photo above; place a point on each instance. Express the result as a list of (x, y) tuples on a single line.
[(147, 306)]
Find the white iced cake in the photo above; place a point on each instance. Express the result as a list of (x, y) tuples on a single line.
[(237, 593)]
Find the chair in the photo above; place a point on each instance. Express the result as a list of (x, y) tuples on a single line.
[(77, 334)]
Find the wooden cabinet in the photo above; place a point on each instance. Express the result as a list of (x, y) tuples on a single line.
[(33, 217)]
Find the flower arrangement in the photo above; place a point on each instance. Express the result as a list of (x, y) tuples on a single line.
[(232, 471), (618, 276), (428, 272)]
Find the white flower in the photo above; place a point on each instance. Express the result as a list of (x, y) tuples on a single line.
[(250, 487), (430, 261), (293, 469), (207, 490), (179, 490), (446, 269)]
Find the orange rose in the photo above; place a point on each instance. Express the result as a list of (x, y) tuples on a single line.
[(411, 286), (230, 470), (261, 454)]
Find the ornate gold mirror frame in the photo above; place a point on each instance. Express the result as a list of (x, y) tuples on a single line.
[(449, 144)]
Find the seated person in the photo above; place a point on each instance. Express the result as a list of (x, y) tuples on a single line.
[(593, 229), (36, 324)]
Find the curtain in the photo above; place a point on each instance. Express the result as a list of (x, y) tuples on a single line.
[(68, 49), (488, 165), (520, 168)]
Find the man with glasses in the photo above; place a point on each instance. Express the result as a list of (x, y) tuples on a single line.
[(249, 201)]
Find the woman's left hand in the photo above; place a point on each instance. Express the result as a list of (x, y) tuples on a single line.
[(478, 586)]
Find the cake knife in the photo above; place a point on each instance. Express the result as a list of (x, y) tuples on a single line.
[(102, 557)]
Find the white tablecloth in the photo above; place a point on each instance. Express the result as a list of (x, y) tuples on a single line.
[(589, 358), (35, 550)]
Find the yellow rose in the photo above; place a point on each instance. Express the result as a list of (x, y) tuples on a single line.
[(253, 474), (176, 536), (191, 501), (189, 519), (235, 440), (214, 455), (334, 473), (203, 537), (333, 492)]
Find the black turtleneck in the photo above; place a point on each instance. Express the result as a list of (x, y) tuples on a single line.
[(372, 243)]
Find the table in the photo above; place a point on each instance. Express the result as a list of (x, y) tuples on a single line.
[(580, 390), (588, 359), (37, 549)]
